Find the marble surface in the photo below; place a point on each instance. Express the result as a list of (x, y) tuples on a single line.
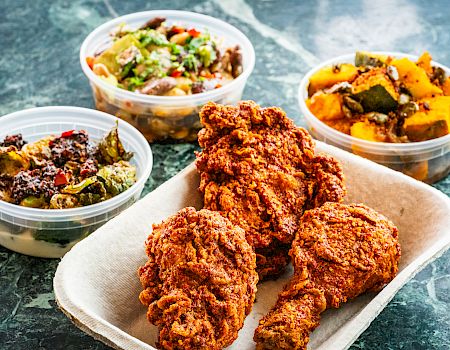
[(39, 66)]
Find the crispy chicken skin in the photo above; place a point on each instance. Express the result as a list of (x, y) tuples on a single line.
[(261, 171), (339, 252), (199, 281)]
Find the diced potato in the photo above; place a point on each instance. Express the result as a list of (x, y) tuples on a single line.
[(415, 79), (101, 70), (175, 92), (172, 113), (180, 38), (112, 80), (326, 106), (184, 84), (365, 131), (429, 123), (328, 76)]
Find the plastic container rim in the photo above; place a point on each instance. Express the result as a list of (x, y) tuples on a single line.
[(375, 147), (56, 215), (209, 95)]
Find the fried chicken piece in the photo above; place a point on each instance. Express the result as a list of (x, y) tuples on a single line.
[(340, 252), (261, 171), (199, 282)]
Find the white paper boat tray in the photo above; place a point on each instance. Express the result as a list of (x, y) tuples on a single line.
[(97, 287)]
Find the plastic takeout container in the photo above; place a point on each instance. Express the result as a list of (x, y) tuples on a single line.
[(428, 161), (161, 117), (52, 232)]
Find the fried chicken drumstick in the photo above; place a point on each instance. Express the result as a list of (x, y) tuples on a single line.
[(261, 172), (340, 251), (199, 282)]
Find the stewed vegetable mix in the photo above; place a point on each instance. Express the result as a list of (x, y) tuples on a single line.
[(158, 59), (64, 171), (382, 98)]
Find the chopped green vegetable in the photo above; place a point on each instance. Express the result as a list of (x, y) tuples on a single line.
[(152, 37), (195, 43), (134, 82), (190, 62), (127, 69), (175, 49), (207, 55)]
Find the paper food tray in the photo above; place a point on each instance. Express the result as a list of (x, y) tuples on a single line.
[(97, 287)]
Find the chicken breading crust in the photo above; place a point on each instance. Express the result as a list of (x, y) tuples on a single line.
[(261, 171), (340, 252), (199, 281)]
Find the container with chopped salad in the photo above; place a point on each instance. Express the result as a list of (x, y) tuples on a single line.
[(166, 60), (156, 69)]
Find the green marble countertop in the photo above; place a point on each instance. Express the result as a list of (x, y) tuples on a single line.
[(39, 66)]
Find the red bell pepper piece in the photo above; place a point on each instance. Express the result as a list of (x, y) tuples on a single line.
[(194, 33), (60, 178), (90, 61), (67, 133), (177, 30), (176, 73)]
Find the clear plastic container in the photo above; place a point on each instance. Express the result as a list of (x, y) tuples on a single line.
[(51, 233), (428, 161), (162, 117)]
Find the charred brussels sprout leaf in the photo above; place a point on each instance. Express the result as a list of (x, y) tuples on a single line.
[(89, 191), (110, 148), (90, 198), (117, 177), (77, 188), (34, 202)]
